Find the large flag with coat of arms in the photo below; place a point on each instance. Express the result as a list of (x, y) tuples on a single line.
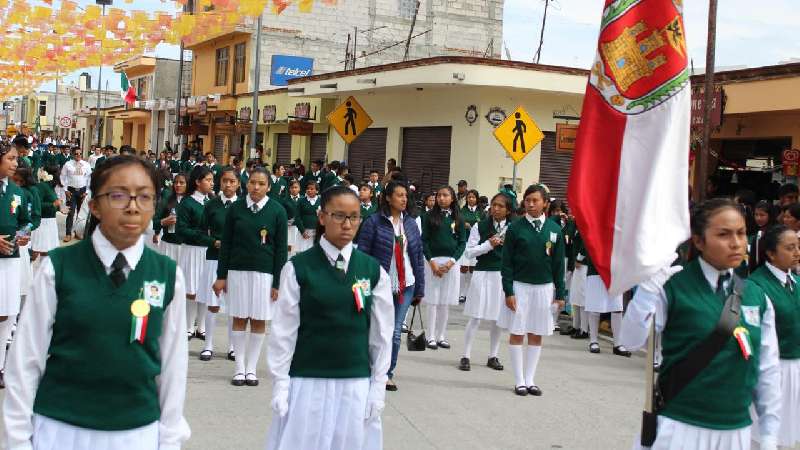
[(629, 180)]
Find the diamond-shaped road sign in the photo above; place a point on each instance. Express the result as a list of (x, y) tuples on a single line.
[(518, 134), (349, 120)]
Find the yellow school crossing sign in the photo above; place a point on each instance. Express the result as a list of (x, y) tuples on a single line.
[(349, 120), (518, 134)]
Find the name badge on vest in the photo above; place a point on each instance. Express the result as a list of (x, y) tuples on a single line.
[(154, 293), (361, 290), (752, 315)]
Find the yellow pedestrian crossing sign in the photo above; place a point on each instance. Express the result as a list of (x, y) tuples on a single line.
[(518, 134), (349, 120)]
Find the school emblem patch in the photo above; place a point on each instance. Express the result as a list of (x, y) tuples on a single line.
[(752, 315), (365, 286), (154, 292), (641, 60)]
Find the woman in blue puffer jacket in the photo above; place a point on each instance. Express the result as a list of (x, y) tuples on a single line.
[(393, 238)]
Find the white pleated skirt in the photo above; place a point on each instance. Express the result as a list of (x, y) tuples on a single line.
[(577, 286), (51, 434), (444, 290), (789, 434), (533, 313), (11, 276), (467, 262), (171, 250), (326, 414), (205, 294), (249, 295), (304, 244), (485, 296), (45, 238), (674, 435), (192, 262), (597, 298), (293, 237), (25, 270)]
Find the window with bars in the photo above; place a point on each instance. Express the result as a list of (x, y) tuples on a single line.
[(42, 107), (222, 67), (406, 8), (239, 63)]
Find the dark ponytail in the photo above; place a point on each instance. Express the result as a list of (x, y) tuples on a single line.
[(329, 194), (436, 215)]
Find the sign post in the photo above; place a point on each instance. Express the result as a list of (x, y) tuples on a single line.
[(518, 135), (349, 119)]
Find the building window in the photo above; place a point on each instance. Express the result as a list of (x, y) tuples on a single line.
[(239, 63), (407, 8), (42, 107), (222, 66)]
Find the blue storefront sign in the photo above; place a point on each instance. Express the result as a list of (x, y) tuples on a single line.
[(285, 68)]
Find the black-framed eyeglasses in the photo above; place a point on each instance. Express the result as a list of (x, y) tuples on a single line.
[(341, 217), (120, 200)]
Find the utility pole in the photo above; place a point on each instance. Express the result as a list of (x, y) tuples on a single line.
[(701, 169), (180, 137), (55, 109), (411, 31), (256, 83), (100, 73), (541, 36)]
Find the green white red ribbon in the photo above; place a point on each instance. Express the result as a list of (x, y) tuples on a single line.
[(358, 296), (743, 338)]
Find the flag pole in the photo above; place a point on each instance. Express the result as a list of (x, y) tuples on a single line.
[(701, 170)]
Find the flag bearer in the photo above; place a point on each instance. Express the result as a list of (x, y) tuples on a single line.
[(99, 360), (195, 239), (214, 223), (13, 218), (331, 340), (533, 276), (252, 254), (443, 240), (780, 254), (306, 218), (712, 410), (486, 299)]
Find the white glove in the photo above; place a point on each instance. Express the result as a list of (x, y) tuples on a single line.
[(280, 399), (768, 443), (654, 284), (375, 401)]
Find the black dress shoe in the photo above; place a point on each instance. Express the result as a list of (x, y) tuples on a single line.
[(190, 335), (2, 381), (404, 328), (535, 391), (522, 391), (200, 335), (621, 351), (557, 328), (494, 363), (567, 331), (432, 345), (238, 381), (443, 344), (231, 356), (462, 299), (594, 347), (251, 381), (390, 386), (464, 365), (206, 355), (580, 335)]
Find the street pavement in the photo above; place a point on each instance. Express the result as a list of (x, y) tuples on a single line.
[(589, 402)]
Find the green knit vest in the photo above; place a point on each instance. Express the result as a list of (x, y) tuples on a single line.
[(719, 397), (95, 377), (787, 311), (492, 261), (333, 338)]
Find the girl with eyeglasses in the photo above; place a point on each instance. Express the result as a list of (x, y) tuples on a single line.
[(331, 339), (100, 356), (252, 253)]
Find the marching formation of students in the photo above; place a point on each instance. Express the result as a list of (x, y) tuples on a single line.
[(333, 268)]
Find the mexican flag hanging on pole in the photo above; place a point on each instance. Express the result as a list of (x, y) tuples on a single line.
[(128, 93), (629, 183)]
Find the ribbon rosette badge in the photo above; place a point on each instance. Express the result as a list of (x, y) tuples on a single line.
[(140, 309)]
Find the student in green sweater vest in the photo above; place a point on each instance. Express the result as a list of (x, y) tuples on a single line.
[(471, 215), (331, 339), (252, 254), (214, 224), (292, 206), (486, 299), (195, 239), (780, 254), (306, 218), (557, 212), (166, 219), (277, 182), (713, 410), (444, 237), (45, 238), (99, 359), (428, 202), (533, 278), (24, 179), (376, 186)]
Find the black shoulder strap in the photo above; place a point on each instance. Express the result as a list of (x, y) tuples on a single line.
[(682, 373)]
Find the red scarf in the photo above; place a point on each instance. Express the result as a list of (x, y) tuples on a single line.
[(401, 266)]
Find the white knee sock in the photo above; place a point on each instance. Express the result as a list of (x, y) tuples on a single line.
[(202, 309), (191, 314), (466, 279), (515, 351), (254, 343), (494, 340), (239, 339), (442, 315), (211, 319), (616, 326), (5, 333), (230, 333), (584, 320), (594, 326), (469, 335), (577, 311), (431, 322), (531, 362), (554, 311)]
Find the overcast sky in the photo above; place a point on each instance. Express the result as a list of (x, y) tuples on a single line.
[(748, 32)]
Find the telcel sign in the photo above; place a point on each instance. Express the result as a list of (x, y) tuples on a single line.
[(285, 68)]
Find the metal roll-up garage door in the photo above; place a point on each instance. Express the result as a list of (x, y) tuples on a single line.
[(426, 156), (554, 167), (319, 147), (219, 146), (366, 153), (283, 152)]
